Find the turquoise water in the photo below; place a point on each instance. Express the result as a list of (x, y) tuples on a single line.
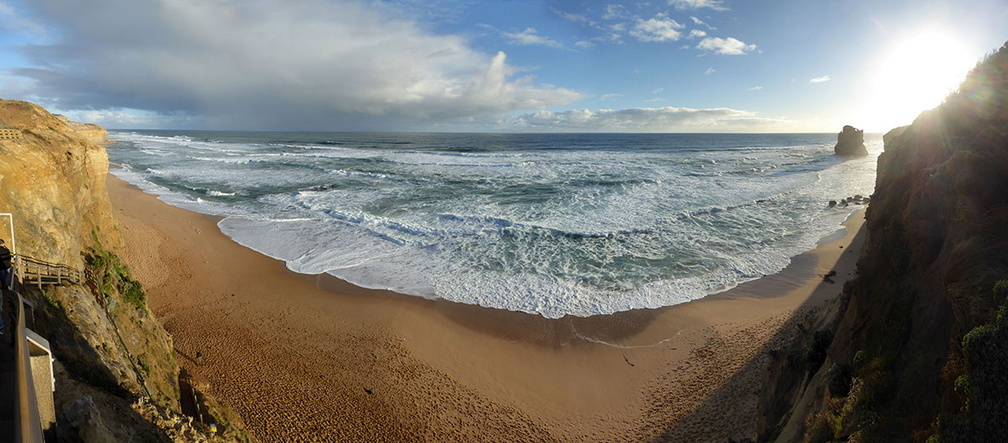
[(553, 224)]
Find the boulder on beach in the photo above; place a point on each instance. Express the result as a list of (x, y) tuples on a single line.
[(850, 142)]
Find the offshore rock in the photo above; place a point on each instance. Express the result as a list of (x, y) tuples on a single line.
[(850, 142)]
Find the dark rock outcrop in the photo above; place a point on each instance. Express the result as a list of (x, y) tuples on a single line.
[(850, 142), (933, 275)]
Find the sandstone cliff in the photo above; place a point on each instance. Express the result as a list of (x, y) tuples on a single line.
[(920, 351), (53, 181), (117, 378)]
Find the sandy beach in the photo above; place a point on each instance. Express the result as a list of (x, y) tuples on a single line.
[(312, 358)]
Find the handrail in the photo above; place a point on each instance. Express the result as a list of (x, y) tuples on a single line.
[(29, 421), (31, 270)]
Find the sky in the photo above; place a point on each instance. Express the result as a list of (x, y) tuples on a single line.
[(493, 65)]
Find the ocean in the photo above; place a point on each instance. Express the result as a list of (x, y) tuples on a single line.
[(550, 224)]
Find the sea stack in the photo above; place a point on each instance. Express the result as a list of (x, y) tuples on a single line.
[(850, 142)]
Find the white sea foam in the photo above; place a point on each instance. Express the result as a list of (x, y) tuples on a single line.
[(557, 231)]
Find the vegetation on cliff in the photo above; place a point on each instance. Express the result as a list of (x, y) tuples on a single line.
[(116, 374), (922, 334)]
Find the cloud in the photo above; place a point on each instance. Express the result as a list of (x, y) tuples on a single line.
[(531, 37), (696, 33), (725, 46), (663, 119), (128, 118), (756, 88), (657, 90), (659, 28), (609, 96), (615, 12), (822, 79), (616, 22), (270, 64), (16, 22), (683, 5), (709, 71), (699, 22), (574, 18)]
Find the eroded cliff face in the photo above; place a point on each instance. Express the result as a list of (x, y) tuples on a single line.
[(936, 249), (52, 179), (117, 377)]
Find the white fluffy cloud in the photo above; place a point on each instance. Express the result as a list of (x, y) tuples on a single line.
[(725, 46), (659, 28), (821, 79), (322, 64), (617, 22), (664, 119)]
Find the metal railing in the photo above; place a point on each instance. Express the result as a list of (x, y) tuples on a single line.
[(28, 424), (28, 270)]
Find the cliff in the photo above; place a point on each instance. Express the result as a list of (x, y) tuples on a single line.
[(53, 181), (117, 377), (920, 350)]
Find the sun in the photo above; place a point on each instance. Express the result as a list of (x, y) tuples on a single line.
[(914, 75)]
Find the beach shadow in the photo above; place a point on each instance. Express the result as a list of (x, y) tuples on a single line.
[(777, 374)]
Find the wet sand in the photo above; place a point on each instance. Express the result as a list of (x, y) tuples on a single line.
[(312, 358)]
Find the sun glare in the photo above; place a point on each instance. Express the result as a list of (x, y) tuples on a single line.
[(915, 74)]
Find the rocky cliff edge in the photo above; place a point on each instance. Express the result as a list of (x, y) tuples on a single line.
[(117, 379), (920, 348)]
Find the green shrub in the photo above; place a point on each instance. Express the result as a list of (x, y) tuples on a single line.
[(984, 387), (134, 294), (1000, 291), (113, 279)]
